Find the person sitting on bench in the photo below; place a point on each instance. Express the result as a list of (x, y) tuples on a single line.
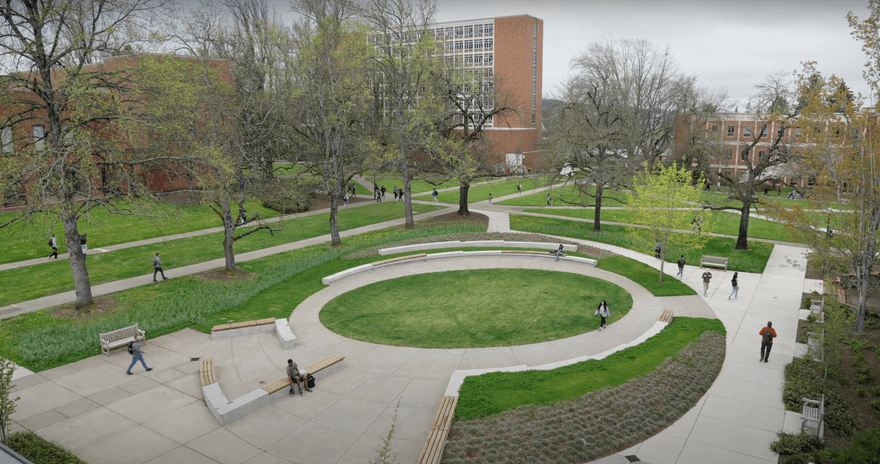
[(295, 376), (559, 252)]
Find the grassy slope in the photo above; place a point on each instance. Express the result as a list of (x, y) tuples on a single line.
[(52, 277), (753, 260), (495, 392)]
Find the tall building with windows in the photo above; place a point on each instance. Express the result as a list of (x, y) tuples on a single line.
[(505, 56)]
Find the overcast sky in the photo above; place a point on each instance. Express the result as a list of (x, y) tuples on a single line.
[(732, 44), (729, 44)]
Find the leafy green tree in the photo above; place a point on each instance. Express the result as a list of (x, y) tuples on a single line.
[(331, 96), (7, 404), (86, 150), (662, 200)]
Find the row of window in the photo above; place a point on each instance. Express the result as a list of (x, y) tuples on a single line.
[(728, 154), (469, 45), (441, 33), (6, 138), (747, 130), (478, 59)]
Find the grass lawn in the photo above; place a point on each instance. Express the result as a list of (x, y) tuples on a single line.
[(646, 276), (491, 393), (417, 186), (723, 222), (562, 196), (269, 287), (52, 277), (753, 260), (490, 307), (29, 241)]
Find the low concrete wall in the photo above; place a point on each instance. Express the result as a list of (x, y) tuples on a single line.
[(285, 335), (478, 243)]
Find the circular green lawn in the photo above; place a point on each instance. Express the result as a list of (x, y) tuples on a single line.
[(474, 308)]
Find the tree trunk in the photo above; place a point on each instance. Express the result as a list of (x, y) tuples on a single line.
[(228, 236), (407, 200), (742, 239), (662, 261), (597, 211), (463, 198), (77, 259)]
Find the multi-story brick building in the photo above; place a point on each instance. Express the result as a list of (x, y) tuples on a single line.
[(728, 137), (505, 55)]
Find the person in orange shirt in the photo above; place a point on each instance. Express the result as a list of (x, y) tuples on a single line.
[(767, 335)]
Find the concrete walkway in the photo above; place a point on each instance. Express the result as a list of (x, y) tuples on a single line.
[(94, 409)]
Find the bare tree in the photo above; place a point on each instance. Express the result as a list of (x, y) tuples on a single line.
[(82, 154)]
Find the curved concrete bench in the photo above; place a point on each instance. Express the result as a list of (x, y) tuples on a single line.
[(472, 244), (235, 329), (449, 254), (225, 411)]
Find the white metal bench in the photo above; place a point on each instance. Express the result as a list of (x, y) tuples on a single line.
[(812, 416), (713, 261), (120, 337)]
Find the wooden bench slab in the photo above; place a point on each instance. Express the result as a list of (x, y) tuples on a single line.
[(402, 258), (206, 371), (432, 452), (666, 316), (323, 365)]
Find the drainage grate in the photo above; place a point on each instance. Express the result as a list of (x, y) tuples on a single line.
[(194, 359), (632, 458)]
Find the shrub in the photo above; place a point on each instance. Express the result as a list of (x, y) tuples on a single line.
[(796, 447), (40, 451), (803, 381), (861, 391), (864, 450), (290, 195), (876, 390)]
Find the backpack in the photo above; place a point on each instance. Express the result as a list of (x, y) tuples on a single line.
[(310, 380), (768, 335), (50, 242), (130, 348)]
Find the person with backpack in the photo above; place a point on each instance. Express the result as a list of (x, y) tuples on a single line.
[(295, 375), (54, 244), (681, 263), (735, 293), (434, 194), (137, 354), (157, 267), (603, 312), (767, 335), (707, 277)]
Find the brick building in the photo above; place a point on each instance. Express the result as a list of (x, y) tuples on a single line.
[(727, 137), (505, 54)]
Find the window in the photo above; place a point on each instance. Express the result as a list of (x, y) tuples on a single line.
[(489, 29), (39, 136), (763, 131), (459, 31), (534, 74), (534, 60), (747, 131), (478, 59), (731, 131), (780, 132), (533, 102), (469, 30), (744, 155), (533, 119), (6, 139), (535, 45), (478, 44), (478, 29), (459, 45), (468, 45), (488, 44), (714, 129), (729, 154), (535, 30), (450, 46), (469, 59), (762, 154), (533, 88), (488, 74), (449, 32), (487, 58)]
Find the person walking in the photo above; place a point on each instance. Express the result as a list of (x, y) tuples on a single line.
[(490, 199), (707, 276), (137, 354), (434, 194), (519, 189), (603, 312), (54, 244), (345, 200), (658, 248), (297, 377), (767, 335), (549, 200), (735, 293), (82, 243), (681, 263), (157, 267), (395, 193)]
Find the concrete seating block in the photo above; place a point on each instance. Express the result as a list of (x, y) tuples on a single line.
[(285, 335)]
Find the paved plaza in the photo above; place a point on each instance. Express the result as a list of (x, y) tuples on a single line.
[(92, 408)]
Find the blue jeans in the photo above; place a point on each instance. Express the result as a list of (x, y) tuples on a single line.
[(134, 361), (734, 293)]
